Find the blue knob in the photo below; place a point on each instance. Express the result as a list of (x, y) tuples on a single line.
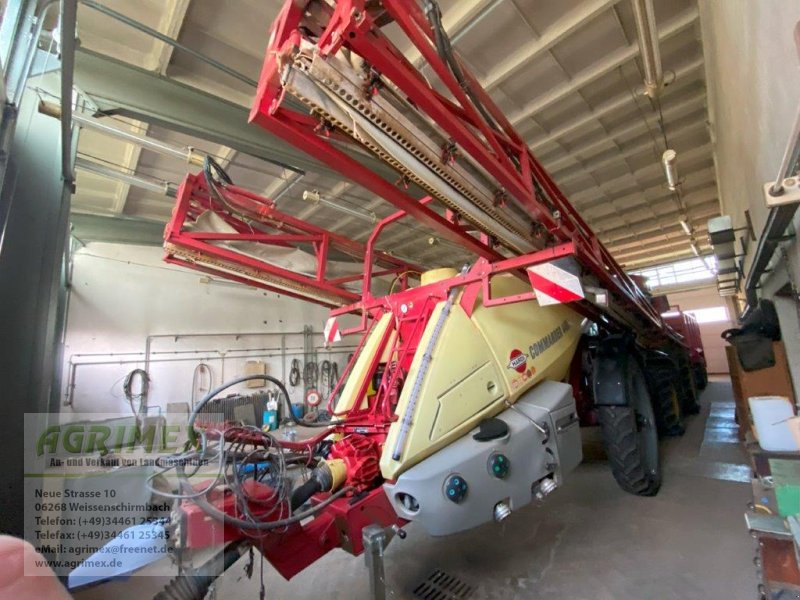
[(499, 465), (455, 488)]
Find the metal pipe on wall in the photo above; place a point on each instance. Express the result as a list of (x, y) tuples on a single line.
[(790, 157), (16, 93), (176, 336), (69, 394), (69, 17)]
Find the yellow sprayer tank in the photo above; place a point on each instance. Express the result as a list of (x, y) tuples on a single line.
[(479, 365)]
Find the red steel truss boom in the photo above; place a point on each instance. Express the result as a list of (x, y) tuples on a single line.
[(308, 37), (255, 221)]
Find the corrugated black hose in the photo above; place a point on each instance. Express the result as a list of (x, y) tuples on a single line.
[(195, 586)]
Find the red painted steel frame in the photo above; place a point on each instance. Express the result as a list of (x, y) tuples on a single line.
[(290, 549), (495, 145), (501, 152), (194, 198)]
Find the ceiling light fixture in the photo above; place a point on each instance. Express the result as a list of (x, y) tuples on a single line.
[(189, 155), (648, 46), (695, 249), (315, 197), (686, 227), (669, 160), (153, 185)]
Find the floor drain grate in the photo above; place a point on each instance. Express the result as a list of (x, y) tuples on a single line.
[(441, 586)]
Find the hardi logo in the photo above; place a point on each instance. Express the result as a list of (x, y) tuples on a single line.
[(517, 360)]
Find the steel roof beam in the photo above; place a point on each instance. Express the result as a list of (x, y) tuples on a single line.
[(558, 31), (663, 259), (699, 179), (636, 229), (637, 225), (170, 26), (687, 105), (683, 77), (122, 89), (618, 58), (708, 196), (596, 164), (618, 212), (654, 243), (88, 227), (661, 252), (649, 173)]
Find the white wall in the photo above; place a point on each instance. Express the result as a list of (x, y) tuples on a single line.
[(121, 294), (753, 73), (753, 80), (713, 344)]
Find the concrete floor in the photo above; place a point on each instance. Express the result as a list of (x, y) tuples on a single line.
[(589, 540)]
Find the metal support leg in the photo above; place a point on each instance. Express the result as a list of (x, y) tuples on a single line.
[(374, 546), (376, 539)]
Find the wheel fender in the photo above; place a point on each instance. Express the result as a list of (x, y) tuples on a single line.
[(609, 372)]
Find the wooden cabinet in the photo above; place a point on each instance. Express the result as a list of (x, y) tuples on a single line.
[(773, 381)]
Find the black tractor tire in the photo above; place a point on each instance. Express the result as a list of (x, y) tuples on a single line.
[(687, 386), (630, 437), (662, 379), (700, 376), (690, 402)]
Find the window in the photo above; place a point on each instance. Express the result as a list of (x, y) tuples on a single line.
[(679, 273), (715, 314)]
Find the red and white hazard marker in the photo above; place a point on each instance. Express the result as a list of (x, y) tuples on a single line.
[(554, 284), (331, 331)]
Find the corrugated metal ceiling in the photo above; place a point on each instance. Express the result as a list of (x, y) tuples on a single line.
[(566, 72)]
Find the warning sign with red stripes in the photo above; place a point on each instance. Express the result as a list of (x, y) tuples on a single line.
[(331, 331), (554, 283)]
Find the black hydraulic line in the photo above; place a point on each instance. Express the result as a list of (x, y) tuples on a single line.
[(141, 396), (221, 388), (294, 373), (195, 586), (214, 173), (445, 50), (301, 494), (219, 515), (311, 374)]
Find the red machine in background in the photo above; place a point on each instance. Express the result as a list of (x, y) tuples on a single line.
[(685, 324)]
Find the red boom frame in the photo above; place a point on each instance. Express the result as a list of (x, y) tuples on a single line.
[(196, 249), (352, 25)]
